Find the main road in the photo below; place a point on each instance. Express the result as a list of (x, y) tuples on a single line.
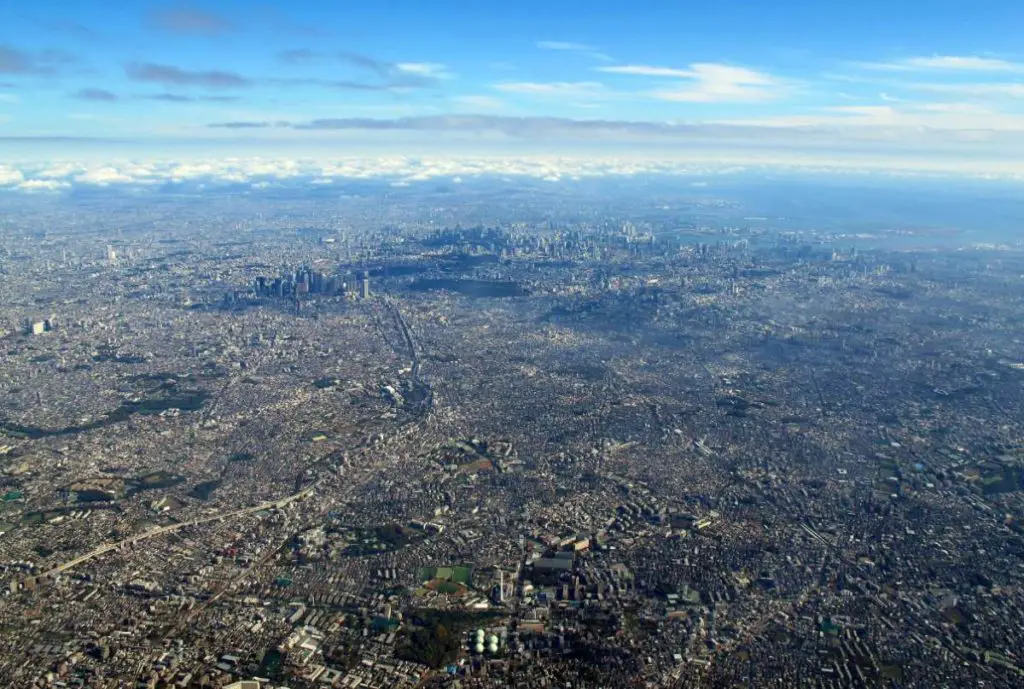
[(131, 540)]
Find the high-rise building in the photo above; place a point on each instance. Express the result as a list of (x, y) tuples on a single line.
[(365, 291), (111, 256)]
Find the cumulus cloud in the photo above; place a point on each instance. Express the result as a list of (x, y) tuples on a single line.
[(190, 21), (42, 185), (58, 170), (261, 173), (10, 176), (176, 76), (104, 176)]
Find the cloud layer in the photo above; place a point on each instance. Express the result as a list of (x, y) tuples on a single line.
[(264, 173), (928, 128)]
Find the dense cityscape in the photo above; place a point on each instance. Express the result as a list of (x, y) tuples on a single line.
[(505, 437)]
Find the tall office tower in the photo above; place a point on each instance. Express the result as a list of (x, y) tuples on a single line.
[(111, 256), (365, 293)]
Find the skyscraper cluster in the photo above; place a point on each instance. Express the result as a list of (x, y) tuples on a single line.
[(303, 281)]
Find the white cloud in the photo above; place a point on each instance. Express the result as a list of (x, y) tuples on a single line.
[(573, 89), (716, 83), (578, 48), (424, 69), (190, 170), (10, 176), (104, 176), (910, 133), (60, 170), (958, 108), (960, 120), (563, 45), (967, 63), (705, 82), (954, 63), (978, 90), (648, 71), (42, 185), (872, 111)]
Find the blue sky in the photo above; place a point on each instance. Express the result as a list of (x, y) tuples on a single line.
[(881, 80)]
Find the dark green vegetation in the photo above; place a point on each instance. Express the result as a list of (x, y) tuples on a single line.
[(153, 480), (437, 635), (94, 495), (204, 490), (185, 400), (379, 539), (110, 489), (272, 665)]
